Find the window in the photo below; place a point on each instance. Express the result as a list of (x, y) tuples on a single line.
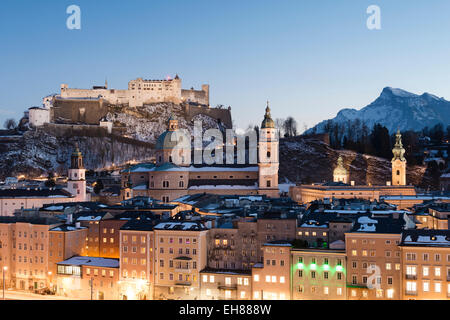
[(256, 278), (426, 286), (437, 287), (411, 286), (437, 271), (411, 256), (426, 271), (339, 291), (267, 278), (354, 253)]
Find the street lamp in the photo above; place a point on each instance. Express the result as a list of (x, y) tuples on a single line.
[(4, 270), (50, 280)]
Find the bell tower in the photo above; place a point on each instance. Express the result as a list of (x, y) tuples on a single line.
[(76, 184), (398, 162), (268, 162)]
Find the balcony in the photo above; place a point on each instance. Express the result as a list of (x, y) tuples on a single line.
[(183, 270), (410, 293), (223, 286), (411, 276)]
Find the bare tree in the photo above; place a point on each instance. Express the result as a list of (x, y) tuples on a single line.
[(279, 124), (290, 127), (10, 124)]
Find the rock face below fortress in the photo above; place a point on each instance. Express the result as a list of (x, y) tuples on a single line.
[(48, 148)]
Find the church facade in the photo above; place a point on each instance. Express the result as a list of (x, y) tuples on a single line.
[(167, 180)]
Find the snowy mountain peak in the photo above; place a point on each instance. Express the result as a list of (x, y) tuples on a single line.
[(389, 92), (395, 108)]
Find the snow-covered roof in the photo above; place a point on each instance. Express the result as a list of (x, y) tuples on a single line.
[(211, 187), (185, 226), (427, 238), (91, 261)]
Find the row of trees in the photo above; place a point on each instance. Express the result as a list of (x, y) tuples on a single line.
[(357, 136)]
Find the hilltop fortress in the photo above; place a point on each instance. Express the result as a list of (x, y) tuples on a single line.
[(90, 106), (141, 91)]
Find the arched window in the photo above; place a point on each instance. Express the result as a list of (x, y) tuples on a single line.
[(398, 172)]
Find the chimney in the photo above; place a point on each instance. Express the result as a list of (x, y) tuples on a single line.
[(69, 218)]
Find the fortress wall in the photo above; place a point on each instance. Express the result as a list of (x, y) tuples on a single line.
[(197, 96), (223, 114), (78, 111)]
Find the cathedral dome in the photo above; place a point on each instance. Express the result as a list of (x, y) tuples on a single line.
[(169, 140)]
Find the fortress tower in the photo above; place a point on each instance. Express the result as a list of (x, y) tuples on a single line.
[(268, 161), (398, 162), (340, 174), (77, 176)]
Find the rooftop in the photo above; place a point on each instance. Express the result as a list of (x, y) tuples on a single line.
[(91, 261)]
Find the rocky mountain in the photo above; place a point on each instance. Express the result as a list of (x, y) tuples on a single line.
[(306, 160), (396, 109)]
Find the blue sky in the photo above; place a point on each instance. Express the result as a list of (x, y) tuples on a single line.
[(309, 58)]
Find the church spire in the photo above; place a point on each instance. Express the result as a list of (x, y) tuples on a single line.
[(267, 122), (398, 150)]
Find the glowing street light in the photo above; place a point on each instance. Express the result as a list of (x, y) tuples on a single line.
[(4, 270)]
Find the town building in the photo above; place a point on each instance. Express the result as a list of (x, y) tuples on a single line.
[(137, 262), (318, 274), (425, 256), (88, 278), (180, 255), (225, 284), (271, 278), (374, 257)]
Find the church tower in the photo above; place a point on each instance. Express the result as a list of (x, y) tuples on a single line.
[(77, 176), (398, 162), (268, 161), (340, 174), (127, 191)]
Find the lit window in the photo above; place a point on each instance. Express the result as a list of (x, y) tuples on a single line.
[(256, 277), (437, 271), (437, 287)]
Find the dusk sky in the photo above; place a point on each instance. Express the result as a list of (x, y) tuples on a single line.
[(309, 58)]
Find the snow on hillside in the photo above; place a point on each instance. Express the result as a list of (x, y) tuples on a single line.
[(397, 109)]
